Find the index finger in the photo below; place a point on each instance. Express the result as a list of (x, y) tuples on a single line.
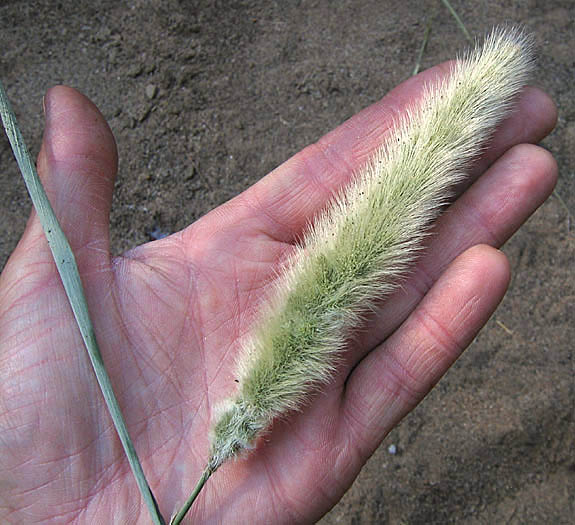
[(285, 201)]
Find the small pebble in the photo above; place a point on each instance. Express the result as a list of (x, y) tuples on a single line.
[(151, 91), (135, 70), (392, 449)]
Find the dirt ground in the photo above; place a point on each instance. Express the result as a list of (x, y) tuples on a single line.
[(206, 97)]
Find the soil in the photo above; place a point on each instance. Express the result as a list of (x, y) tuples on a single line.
[(206, 97)]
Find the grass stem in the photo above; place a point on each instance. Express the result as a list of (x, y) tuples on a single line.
[(458, 20), (189, 502), (422, 49), (68, 270)]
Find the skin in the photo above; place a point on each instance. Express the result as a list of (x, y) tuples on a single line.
[(168, 316)]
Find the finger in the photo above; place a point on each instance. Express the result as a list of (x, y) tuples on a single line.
[(533, 119), (77, 165), (489, 212), (282, 204), (391, 380), (293, 193)]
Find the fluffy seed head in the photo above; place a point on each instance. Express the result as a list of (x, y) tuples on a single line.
[(360, 246)]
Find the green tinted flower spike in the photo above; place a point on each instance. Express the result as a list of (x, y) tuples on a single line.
[(364, 241)]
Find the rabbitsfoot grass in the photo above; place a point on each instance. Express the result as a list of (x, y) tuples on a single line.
[(364, 242)]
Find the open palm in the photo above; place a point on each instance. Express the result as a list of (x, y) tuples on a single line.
[(169, 316)]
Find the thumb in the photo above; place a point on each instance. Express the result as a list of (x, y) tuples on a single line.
[(77, 165)]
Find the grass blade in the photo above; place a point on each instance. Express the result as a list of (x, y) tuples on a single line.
[(68, 270), (458, 20), (422, 49)]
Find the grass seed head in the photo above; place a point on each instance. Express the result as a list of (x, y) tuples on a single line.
[(366, 239)]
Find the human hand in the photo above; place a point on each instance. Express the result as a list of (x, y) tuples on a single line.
[(169, 315)]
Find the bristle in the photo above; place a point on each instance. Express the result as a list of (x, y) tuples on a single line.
[(364, 242)]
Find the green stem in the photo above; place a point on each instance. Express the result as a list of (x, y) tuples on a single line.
[(68, 270), (422, 49), (458, 20), (186, 507)]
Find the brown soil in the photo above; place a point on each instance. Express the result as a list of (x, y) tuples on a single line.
[(206, 97)]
